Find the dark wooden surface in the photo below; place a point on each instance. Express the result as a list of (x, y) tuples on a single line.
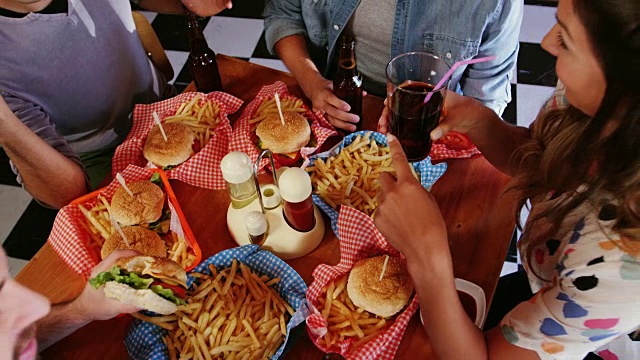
[(479, 219)]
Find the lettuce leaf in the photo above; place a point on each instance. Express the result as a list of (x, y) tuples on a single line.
[(119, 276), (161, 226), (167, 294), (155, 178), (132, 279)]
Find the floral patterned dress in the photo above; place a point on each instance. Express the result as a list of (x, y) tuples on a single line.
[(586, 281)]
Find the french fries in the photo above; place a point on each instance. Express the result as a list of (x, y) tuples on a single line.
[(345, 320), (351, 177), (201, 115), (230, 314), (180, 251), (97, 224), (269, 106)]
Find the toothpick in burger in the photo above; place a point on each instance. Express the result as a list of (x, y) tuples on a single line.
[(382, 297), (284, 141), (172, 152), (138, 238), (145, 206)]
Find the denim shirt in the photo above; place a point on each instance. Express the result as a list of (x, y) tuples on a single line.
[(452, 29)]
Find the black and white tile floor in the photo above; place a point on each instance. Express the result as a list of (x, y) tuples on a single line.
[(239, 32)]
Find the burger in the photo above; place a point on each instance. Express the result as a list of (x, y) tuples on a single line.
[(140, 239), (385, 297), (171, 152), (284, 141), (148, 282), (145, 206)]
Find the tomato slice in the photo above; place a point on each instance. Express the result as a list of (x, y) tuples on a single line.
[(196, 146), (456, 141), (287, 160), (178, 291)]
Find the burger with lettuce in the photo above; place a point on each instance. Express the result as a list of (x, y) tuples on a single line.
[(151, 283)]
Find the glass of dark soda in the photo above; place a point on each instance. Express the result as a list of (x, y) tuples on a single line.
[(410, 77)]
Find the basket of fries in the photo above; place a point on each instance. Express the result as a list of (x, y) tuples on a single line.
[(242, 303), (348, 174), (82, 227), (264, 104), (205, 115), (335, 324)]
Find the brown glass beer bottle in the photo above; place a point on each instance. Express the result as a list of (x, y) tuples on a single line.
[(347, 83), (202, 60)]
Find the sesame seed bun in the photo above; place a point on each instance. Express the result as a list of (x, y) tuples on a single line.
[(140, 239), (144, 207), (175, 150), (384, 297), (289, 138)]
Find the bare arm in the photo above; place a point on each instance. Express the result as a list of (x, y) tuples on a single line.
[(495, 138), (47, 175), (62, 321), (293, 52), (200, 7), (417, 229), (91, 305)]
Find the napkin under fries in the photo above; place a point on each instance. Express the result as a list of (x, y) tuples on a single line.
[(350, 177), (359, 239), (244, 129), (206, 115), (73, 238), (148, 341)]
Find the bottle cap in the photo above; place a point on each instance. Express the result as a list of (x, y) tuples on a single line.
[(295, 185), (256, 223), (270, 196), (236, 167)]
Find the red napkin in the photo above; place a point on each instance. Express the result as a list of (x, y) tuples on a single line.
[(453, 146), (71, 241), (242, 140), (202, 169), (359, 239)]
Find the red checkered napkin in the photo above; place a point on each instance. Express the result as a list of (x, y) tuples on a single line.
[(453, 146), (359, 239), (69, 239), (320, 127), (202, 169)]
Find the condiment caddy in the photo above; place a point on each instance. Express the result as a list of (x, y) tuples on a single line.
[(280, 217)]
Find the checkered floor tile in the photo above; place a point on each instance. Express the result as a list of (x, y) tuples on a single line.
[(239, 32)]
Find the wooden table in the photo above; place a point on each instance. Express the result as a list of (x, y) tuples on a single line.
[(480, 222)]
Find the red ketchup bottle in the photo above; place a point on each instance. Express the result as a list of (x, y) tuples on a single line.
[(295, 190)]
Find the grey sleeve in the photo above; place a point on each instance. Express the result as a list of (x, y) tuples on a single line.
[(39, 122)]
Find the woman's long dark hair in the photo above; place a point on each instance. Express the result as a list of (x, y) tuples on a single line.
[(600, 154)]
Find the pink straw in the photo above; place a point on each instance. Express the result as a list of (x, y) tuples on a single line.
[(453, 68)]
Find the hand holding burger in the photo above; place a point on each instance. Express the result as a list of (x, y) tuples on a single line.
[(92, 304), (151, 283)]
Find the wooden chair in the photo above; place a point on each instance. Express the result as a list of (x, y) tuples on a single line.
[(152, 45)]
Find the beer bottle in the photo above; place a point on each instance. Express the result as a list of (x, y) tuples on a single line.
[(347, 83), (202, 60)]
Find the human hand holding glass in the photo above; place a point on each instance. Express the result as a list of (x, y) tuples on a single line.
[(412, 78)]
